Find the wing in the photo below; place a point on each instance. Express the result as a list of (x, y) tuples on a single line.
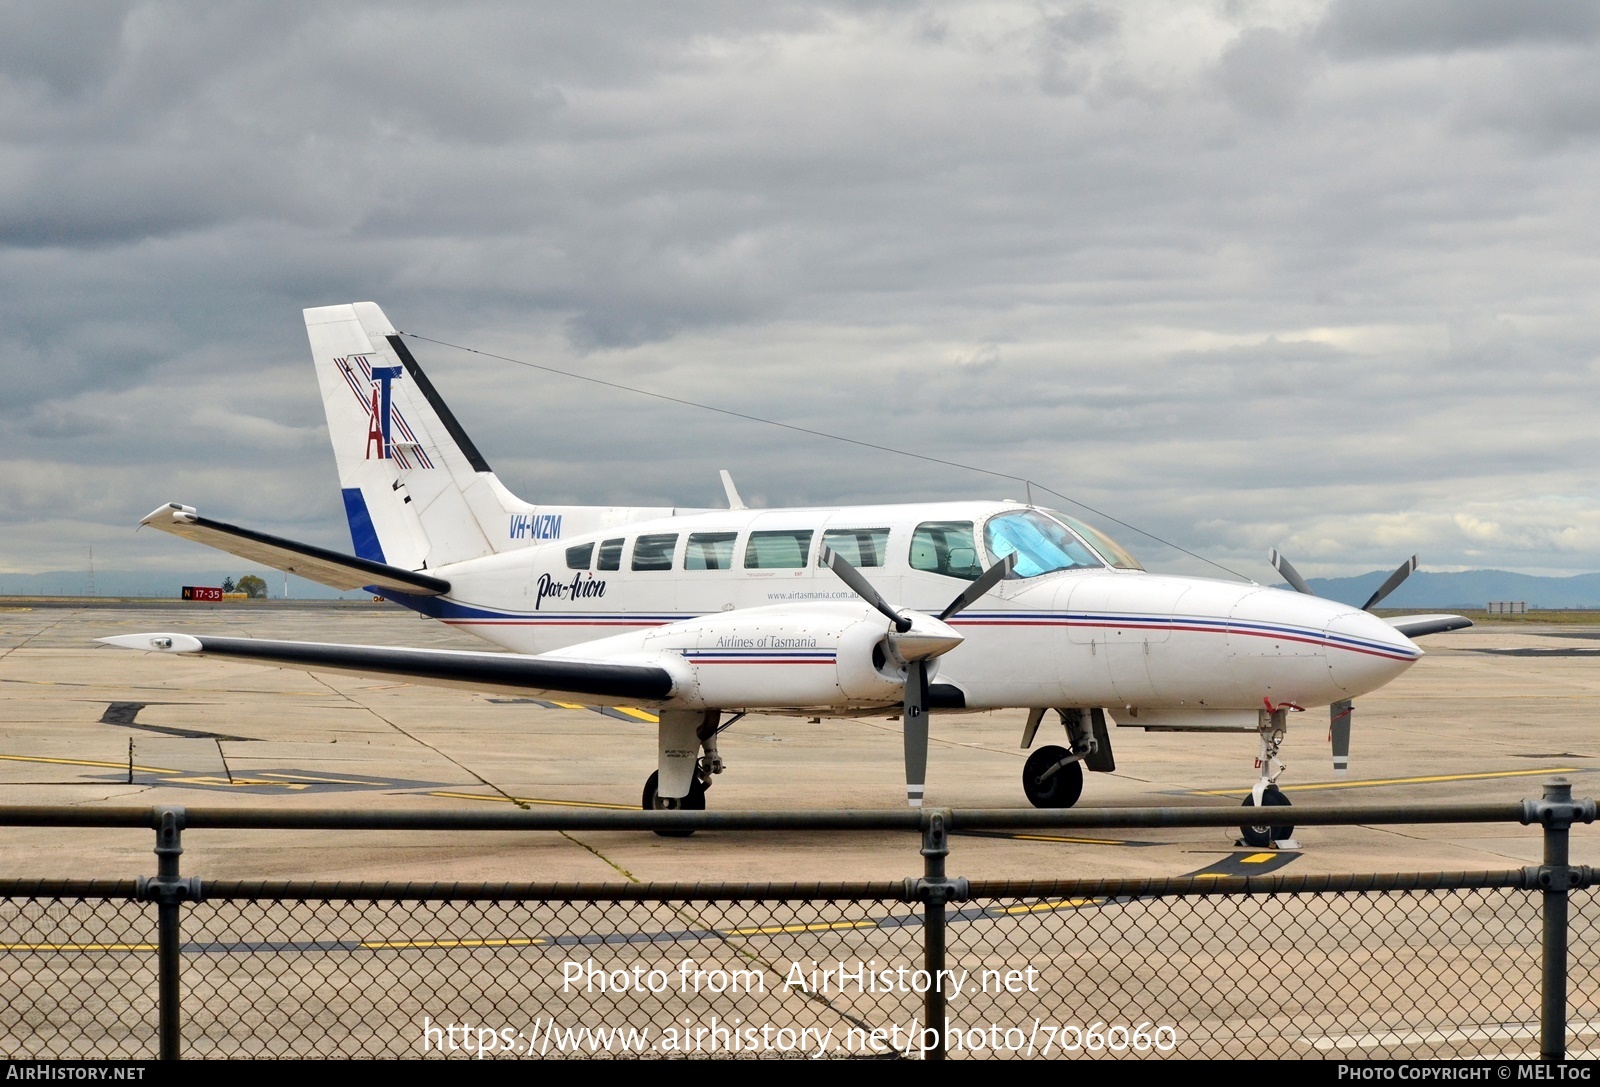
[(1415, 626), (597, 682), (307, 560)]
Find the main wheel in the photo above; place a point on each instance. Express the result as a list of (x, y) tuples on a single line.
[(695, 801), (1061, 789), (1264, 834)]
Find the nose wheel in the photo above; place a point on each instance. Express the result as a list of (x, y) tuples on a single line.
[(1261, 835)]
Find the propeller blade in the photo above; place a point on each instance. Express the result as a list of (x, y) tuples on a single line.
[(986, 581), (1339, 715), (863, 588), (916, 729), (1392, 584), (1288, 572)]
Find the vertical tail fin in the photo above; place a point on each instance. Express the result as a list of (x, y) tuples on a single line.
[(417, 492)]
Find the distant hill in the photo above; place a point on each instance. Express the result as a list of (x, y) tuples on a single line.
[(1467, 589)]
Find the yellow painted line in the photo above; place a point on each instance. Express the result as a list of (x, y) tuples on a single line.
[(1064, 904), (509, 941), (532, 800), (639, 715), (1258, 858), (78, 947), (236, 782), (1430, 780), (1058, 838), (819, 926), (88, 762), (286, 777), (1211, 875)]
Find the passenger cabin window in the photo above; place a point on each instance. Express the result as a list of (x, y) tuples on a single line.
[(782, 550), (654, 552), (709, 551), (946, 547), (578, 556), (857, 546), (1041, 545), (610, 555)]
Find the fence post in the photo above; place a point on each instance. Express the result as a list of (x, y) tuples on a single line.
[(1556, 811), (168, 890), (933, 890)]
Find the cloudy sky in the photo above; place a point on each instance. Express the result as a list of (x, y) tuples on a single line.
[(1319, 276)]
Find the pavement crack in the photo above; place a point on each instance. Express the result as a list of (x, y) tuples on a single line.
[(627, 875), (419, 741), (41, 632)]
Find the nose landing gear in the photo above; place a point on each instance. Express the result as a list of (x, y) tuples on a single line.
[(1266, 794)]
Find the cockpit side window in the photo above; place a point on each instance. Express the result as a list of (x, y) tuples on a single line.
[(1109, 549), (1041, 545), (946, 547), (610, 555)]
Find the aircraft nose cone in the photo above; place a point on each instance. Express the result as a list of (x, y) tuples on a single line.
[(1364, 652)]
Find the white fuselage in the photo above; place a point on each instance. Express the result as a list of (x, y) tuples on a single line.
[(1161, 651)]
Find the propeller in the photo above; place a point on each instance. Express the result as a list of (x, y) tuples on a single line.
[(1290, 574), (1406, 569), (916, 638), (1342, 711)]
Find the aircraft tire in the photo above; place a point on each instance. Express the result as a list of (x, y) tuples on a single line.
[(1264, 834), (1061, 789), (695, 801)]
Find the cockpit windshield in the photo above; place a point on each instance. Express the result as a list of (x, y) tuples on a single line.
[(1109, 549), (1040, 544)]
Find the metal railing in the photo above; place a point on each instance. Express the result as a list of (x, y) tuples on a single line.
[(1396, 965)]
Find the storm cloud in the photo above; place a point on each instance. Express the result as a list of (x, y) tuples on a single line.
[(1317, 276)]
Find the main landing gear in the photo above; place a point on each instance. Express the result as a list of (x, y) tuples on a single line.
[(684, 770), (1053, 776), (1266, 794)]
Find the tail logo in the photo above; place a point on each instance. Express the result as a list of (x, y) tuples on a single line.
[(383, 377), (372, 387)]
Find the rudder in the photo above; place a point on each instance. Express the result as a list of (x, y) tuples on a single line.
[(417, 493)]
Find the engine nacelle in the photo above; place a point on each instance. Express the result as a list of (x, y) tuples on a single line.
[(817, 655)]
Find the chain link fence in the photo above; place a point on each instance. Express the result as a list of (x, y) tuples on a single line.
[(1434, 965)]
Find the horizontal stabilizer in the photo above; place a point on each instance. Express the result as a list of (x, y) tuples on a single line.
[(307, 560), (597, 682), (1415, 626)]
